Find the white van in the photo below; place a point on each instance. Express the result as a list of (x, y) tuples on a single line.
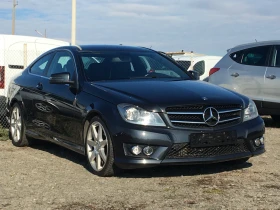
[(16, 53), (201, 64)]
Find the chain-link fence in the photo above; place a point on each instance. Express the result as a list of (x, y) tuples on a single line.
[(12, 63)]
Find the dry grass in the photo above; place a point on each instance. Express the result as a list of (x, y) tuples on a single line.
[(4, 134)]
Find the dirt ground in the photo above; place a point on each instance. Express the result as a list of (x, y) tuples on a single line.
[(46, 176)]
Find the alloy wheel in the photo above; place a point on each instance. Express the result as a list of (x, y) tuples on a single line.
[(16, 124), (97, 146)]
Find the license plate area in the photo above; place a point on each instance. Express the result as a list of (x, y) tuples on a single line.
[(213, 139)]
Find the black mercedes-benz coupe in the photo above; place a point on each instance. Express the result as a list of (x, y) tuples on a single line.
[(130, 107)]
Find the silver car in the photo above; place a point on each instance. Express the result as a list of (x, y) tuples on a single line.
[(253, 70)]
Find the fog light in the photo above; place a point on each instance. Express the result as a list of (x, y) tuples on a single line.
[(262, 140), (148, 150), (257, 142), (136, 150)]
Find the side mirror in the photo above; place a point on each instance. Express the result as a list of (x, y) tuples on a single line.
[(61, 78), (195, 74)]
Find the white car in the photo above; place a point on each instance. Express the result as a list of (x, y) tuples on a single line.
[(253, 70), (200, 64)]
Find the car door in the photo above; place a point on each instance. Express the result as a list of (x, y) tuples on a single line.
[(271, 96), (31, 94), (248, 70), (63, 116)]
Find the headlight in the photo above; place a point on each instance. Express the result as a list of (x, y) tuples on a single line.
[(250, 112), (136, 115)]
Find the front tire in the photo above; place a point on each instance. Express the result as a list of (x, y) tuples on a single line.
[(99, 149), (17, 127)]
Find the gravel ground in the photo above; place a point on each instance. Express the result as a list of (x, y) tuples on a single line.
[(46, 176)]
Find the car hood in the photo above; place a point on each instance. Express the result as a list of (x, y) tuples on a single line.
[(156, 95)]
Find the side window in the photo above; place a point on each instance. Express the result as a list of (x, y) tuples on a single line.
[(256, 56), (199, 67), (62, 62), (40, 66), (275, 62)]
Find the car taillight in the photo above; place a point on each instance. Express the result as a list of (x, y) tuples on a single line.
[(213, 70), (2, 77)]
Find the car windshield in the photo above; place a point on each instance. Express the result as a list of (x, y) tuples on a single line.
[(129, 65)]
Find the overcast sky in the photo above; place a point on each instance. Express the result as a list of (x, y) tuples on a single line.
[(203, 26)]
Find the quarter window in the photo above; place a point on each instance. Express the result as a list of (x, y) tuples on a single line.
[(40, 66), (237, 56)]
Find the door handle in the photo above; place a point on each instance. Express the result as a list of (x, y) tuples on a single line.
[(234, 74), (271, 76), (39, 86)]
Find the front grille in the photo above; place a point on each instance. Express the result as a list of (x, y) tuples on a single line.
[(185, 151), (191, 116)]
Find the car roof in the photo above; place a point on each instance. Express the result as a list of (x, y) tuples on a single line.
[(254, 44), (203, 57), (105, 48)]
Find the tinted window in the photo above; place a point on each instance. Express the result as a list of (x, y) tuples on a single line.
[(256, 56), (40, 66), (62, 62), (89, 60), (199, 67), (237, 56), (127, 65), (276, 57)]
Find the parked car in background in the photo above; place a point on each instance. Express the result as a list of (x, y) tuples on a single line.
[(200, 64), (16, 53), (253, 70), (130, 107)]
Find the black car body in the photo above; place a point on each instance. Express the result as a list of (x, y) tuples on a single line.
[(144, 109)]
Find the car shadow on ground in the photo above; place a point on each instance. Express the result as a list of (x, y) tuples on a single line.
[(58, 151), (270, 123), (183, 170), (162, 171)]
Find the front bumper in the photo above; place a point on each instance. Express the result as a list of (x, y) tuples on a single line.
[(166, 138)]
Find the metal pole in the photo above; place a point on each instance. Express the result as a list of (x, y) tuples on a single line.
[(14, 16), (73, 33)]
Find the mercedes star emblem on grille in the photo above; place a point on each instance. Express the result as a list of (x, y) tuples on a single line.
[(211, 116)]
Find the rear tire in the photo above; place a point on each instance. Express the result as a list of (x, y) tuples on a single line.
[(276, 118), (99, 149), (17, 127)]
